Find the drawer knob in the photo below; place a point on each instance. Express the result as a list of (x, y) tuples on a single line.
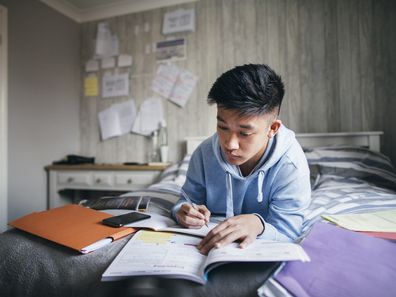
[(129, 181), (70, 179), (98, 180)]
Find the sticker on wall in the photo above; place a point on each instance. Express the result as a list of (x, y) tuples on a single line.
[(170, 50), (181, 20)]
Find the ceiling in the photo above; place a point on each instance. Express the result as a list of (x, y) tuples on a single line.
[(89, 4), (90, 10)]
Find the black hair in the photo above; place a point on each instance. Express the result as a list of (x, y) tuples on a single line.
[(253, 89)]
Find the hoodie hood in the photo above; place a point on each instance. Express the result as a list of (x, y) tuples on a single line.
[(277, 147)]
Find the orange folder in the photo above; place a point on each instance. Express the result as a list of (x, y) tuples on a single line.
[(72, 225)]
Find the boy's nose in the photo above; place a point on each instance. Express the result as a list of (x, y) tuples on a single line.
[(232, 143)]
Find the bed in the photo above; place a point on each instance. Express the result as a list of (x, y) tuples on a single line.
[(352, 176)]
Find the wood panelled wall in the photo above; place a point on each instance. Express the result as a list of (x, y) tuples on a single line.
[(336, 57)]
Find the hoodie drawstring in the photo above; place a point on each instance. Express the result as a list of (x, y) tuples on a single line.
[(260, 182), (230, 199)]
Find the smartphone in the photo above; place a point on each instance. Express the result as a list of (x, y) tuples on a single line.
[(124, 219)]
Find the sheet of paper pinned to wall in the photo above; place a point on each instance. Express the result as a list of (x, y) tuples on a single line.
[(149, 117), (108, 63), (165, 79), (114, 85), (180, 20), (106, 43), (91, 88), (92, 65), (117, 120), (124, 60), (174, 83), (183, 88)]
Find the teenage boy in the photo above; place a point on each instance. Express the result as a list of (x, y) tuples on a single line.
[(252, 170)]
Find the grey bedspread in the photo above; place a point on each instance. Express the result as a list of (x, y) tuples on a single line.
[(31, 266)]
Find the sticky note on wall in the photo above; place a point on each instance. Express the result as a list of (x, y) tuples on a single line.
[(91, 88)]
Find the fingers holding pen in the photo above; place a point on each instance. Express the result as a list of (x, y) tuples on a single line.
[(203, 210), (192, 216)]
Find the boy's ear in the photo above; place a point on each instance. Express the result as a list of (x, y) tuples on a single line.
[(274, 128)]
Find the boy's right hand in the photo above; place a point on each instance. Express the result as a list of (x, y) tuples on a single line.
[(193, 216)]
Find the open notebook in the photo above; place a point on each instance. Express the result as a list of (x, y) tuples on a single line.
[(176, 256)]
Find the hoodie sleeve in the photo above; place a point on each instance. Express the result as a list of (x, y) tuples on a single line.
[(289, 198), (195, 181)]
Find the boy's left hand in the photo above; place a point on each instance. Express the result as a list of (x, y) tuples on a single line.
[(244, 228)]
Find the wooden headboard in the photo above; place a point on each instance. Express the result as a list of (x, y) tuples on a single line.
[(370, 139)]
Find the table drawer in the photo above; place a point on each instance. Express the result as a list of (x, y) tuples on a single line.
[(103, 179), (74, 179), (136, 178)]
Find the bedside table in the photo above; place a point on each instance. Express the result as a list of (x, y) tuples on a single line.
[(97, 177)]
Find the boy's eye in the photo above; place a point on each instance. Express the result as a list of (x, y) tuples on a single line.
[(221, 127), (245, 134)]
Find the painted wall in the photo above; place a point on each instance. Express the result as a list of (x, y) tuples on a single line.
[(43, 103), (337, 58)]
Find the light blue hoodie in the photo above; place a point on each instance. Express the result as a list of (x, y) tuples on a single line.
[(277, 190)]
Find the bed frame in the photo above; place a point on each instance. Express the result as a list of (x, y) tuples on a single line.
[(370, 139)]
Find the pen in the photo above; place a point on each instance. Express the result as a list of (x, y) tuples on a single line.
[(190, 202)]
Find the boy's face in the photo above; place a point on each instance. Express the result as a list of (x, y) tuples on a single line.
[(243, 140)]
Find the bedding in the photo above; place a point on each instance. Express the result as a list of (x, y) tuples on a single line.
[(349, 180), (344, 180)]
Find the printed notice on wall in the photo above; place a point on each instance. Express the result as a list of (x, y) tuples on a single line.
[(114, 85), (180, 20), (170, 50), (91, 88)]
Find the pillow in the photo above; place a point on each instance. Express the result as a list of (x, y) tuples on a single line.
[(352, 162)]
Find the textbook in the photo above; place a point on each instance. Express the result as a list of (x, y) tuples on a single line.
[(73, 226), (173, 255)]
